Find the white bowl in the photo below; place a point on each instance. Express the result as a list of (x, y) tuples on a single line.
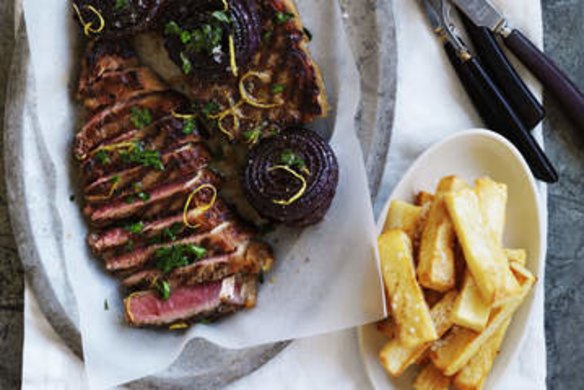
[(472, 154)]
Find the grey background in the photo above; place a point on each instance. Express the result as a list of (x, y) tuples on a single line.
[(564, 42)]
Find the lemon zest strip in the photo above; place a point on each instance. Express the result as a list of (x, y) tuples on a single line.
[(232, 62), (198, 209), (178, 115), (225, 5), (178, 325), (88, 26), (119, 145), (298, 195), (249, 99)]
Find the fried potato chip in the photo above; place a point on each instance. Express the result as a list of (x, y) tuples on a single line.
[(408, 307), (404, 216), (423, 198), (387, 327), (493, 202), (485, 259), (516, 256), (470, 310), (431, 378), (436, 269)]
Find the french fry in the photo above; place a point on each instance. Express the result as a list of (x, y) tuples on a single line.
[(473, 375), (436, 257), (431, 378), (516, 256), (470, 310), (396, 358), (402, 215), (493, 202), (485, 259), (461, 344), (409, 309), (423, 198)]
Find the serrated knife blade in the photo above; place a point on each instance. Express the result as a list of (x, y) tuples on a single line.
[(482, 13)]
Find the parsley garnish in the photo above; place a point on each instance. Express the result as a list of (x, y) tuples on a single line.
[(135, 228), (189, 126), (129, 247), (175, 256), (277, 88), (307, 33), (130, 199), (172, 28), (115, 179), (140, 117), (283, 17), (292, 160), (221, 16), (145, 157), (210, 108), (143, 196), (186, 65), (171, 232), (163, 288), (120, 5), (266, 37), (102, 157)]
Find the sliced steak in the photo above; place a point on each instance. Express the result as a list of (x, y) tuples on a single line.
[(249, 258), (224, 238), (190, 303), (119, 85), (117, 119)]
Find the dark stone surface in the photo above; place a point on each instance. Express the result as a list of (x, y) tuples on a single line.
[(564, 27), (564, 42)]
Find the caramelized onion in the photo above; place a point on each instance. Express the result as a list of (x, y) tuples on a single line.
[(111, 18), (239, 40), (279, 194)]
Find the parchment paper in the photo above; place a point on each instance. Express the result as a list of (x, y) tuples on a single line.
[(325, 279)]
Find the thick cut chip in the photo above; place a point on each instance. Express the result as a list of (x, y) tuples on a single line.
[(436, 268), (408, 307), (396, 358), (402, 215), (461, 344), (516, 256), (473, 375), (387, 327), (431, 378), (470, 310), (493, 202), (485, 259)]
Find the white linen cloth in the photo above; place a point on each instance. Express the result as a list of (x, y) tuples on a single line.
[(430, 105)]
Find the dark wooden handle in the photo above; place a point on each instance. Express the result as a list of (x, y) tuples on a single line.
[(499, 116), (553, 79), (527, 107)]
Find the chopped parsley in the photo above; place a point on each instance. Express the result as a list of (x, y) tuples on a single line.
[(186, 65), (283, 17), (253, 135), (139, 155), (115, 179), (135, 228), (175, 256), (102, 157), (120, 5), (171, 232), (129, 247), (210, 108), (189, 126), (172, 28), (277, 88), (221, 16), (130, 199), (163, 288), (140, 117), (267, 36), (292, 160), (307, 33), (145, 196)]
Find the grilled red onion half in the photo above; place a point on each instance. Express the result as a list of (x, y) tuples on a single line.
[(115, 18), (291, 177), (197, 35)]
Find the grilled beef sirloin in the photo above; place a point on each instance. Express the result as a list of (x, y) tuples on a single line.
[(152, 201)]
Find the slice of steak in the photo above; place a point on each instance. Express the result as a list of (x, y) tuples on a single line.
[(117, 119), (249, 258), (191, 303), (119, 85), (163, 135), (224, 238), (161, 200), (184, 161), (164, 229), (102, 56)]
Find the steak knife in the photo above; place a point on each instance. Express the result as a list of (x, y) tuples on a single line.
[(484, 93), (483, 14)]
